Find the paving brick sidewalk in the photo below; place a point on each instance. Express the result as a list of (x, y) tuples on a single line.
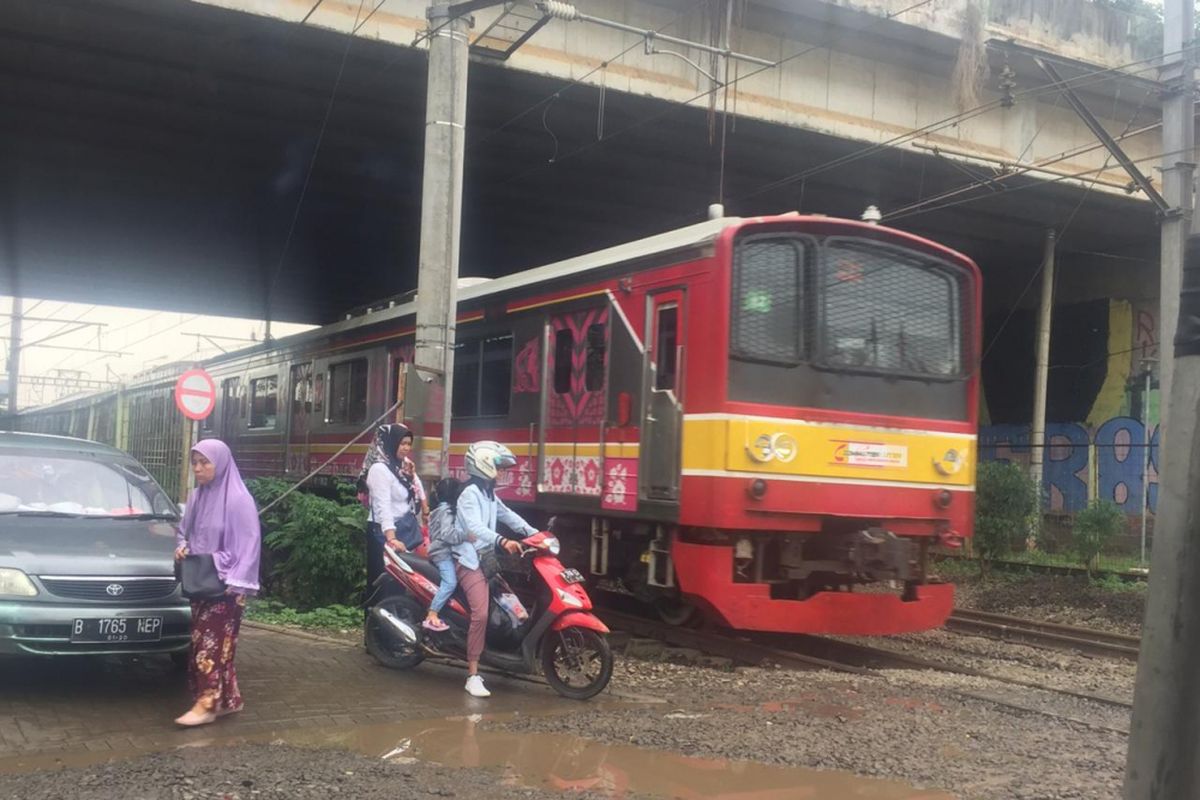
[(109, 704)]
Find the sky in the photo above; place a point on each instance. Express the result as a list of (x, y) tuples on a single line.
[(123, 343)]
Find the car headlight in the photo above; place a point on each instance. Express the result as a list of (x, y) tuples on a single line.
[(14, 583)]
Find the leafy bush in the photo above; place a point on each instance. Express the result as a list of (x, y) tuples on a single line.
[(314, 546), (1094, 527), (1006, 500)]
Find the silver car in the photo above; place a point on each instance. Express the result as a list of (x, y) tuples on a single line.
[(86, 552)]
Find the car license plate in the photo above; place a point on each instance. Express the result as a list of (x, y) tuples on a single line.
[(570, 576), (117, 629)]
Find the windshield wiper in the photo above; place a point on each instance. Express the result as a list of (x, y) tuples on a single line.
[(170, 517), (32, 513)]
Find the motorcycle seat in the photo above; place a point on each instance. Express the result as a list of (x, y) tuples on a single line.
[(422, 566)]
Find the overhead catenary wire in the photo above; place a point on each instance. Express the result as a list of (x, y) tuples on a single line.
[(603, 65), (676, 105), (1084, 79), (1061, 234)]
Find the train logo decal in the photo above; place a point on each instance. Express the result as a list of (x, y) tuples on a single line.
[(870, 454)]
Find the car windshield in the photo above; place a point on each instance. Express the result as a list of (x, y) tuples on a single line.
[(83, 485)]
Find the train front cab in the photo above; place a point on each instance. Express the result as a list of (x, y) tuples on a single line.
[(834, 443)]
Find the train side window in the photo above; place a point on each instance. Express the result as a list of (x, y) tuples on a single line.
[(318, 395), (564, 350), (593, 379), (230, 405), (302, 390), (666, 347), (483, 377), (465, 402), (495, 376), (348, 392), (264, 402)]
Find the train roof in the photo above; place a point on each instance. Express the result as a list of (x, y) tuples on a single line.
[(679, 239)]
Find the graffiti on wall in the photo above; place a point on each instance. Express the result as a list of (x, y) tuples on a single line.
[(1081, 461), (1145, 334)]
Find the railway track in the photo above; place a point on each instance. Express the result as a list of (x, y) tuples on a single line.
[(1044, 634), (816, 652)]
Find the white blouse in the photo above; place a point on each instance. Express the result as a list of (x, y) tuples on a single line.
[(389, 498)]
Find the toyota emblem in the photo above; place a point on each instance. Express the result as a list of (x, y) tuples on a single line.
[(115, 589)]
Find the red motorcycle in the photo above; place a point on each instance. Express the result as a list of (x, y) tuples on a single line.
[(547, 621)]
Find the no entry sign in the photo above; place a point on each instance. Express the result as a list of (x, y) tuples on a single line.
[(195, 394)]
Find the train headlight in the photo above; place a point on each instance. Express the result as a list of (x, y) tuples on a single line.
[(943, 498), (757, 488), (778, 447), (951, 463)]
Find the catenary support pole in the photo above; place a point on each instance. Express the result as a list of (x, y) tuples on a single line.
[(1041, 360), (14, 361), (441, 201), (1164, 737), (1163, 761), (1178, 144)]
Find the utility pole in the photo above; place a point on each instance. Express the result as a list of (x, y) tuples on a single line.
[(1037, 433), (441, 201), (1178, 144), (1164, 733), (14, 361)]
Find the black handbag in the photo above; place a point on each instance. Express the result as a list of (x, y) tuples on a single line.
[(197, 575)]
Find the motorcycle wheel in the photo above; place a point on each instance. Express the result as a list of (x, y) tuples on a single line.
[(577, 662), (386, 647)]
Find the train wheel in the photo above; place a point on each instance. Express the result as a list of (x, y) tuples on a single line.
[(577, 662), (676, 611)]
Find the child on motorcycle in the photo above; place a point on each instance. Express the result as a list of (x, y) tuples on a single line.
[(444, 534)]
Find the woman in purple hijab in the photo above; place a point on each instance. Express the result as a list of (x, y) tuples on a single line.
[(220, 519)]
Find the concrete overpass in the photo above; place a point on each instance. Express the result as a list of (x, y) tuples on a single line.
[(156, 154)]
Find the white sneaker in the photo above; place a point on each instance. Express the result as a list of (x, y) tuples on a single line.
[(475, 687)]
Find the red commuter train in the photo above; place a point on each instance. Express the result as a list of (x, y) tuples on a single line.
[(769, 420)]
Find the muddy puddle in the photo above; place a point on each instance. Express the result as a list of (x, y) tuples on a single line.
[(563, 763)]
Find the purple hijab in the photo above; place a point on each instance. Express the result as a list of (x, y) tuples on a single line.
[(221, 519)]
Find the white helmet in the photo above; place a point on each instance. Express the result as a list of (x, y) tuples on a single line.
[(485, 459)]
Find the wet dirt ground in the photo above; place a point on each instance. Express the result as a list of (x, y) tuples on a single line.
[(323, 720)]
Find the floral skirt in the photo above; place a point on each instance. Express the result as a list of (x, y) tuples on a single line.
[(212, 679)]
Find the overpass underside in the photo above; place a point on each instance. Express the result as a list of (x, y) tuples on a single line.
[(180, 156)]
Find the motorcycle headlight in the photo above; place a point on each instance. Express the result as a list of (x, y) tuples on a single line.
[(569, 599), (14, 583), (552, 544)]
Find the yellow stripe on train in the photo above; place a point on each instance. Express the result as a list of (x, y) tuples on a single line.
[(714, 443)]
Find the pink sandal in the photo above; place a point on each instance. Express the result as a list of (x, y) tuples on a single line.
[(434, 625)]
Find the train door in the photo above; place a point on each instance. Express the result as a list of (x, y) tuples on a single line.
[(663, 379), (299, 429), (574, 403)]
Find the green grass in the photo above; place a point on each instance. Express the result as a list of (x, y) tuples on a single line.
[(335, 617), (1111, 563)]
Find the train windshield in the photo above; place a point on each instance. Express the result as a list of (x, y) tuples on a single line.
[(887, 310), (816, 321)]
